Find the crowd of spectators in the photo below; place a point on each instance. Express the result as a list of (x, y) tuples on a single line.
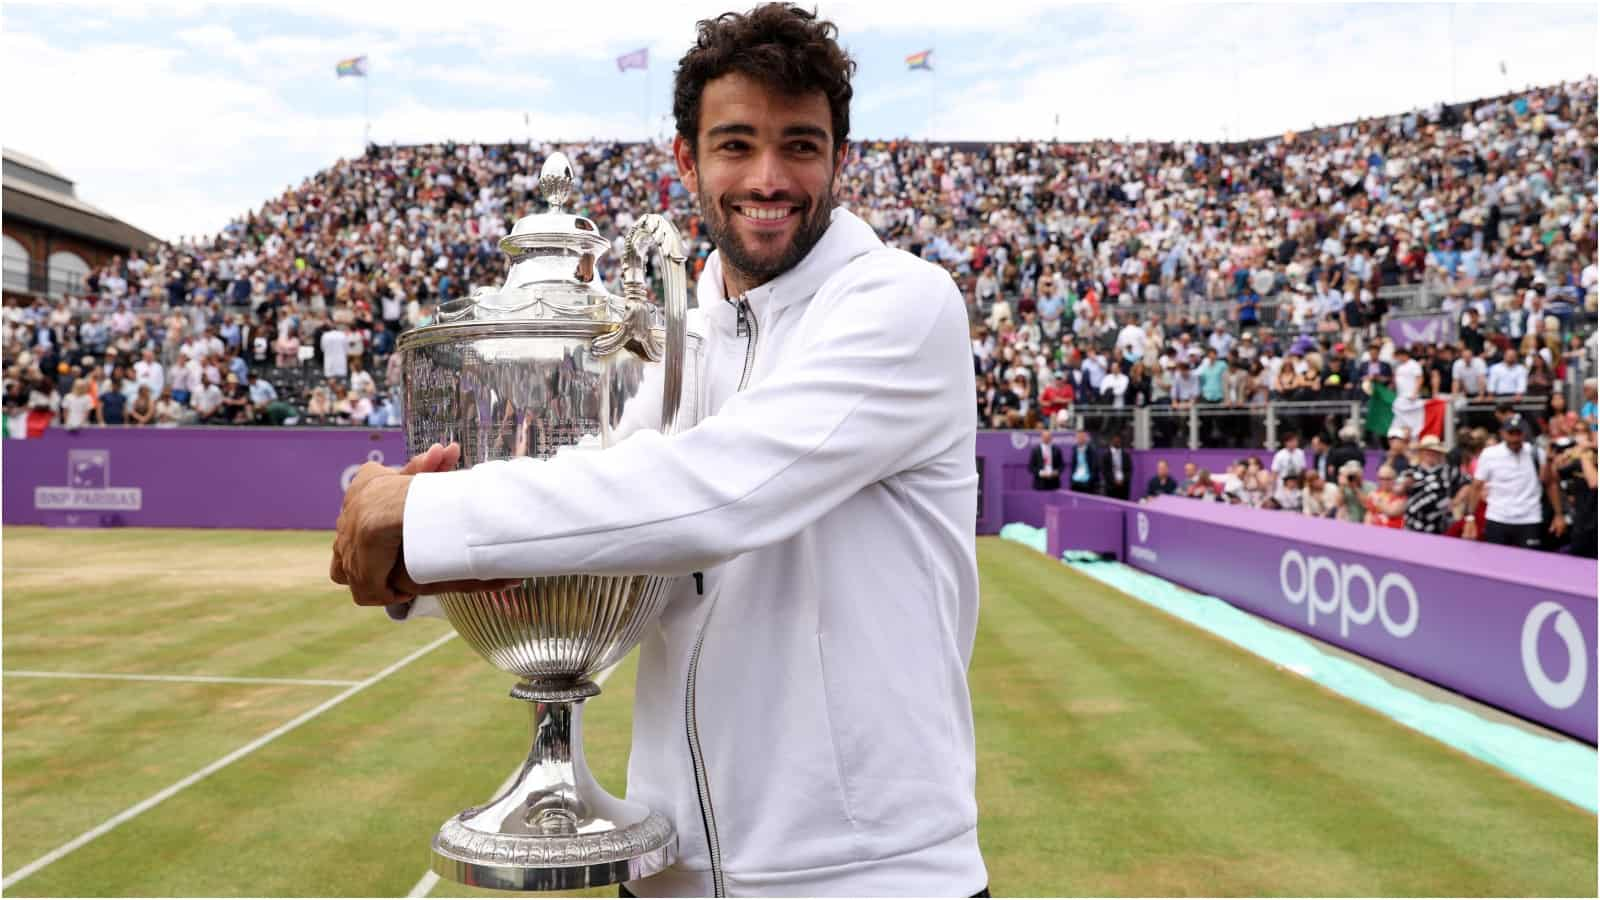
[(1419, 485), (1097, 274), (1175, 276)]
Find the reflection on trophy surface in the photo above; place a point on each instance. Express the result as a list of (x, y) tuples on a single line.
[(552, 363)]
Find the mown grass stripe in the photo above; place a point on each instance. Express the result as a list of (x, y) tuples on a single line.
[(220, 764), (185, 679)]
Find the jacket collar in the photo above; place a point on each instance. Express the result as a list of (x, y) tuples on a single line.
[(847, 237)]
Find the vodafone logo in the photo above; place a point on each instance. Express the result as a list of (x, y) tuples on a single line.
[(1350, 592), (1557, 694), (1143, 523)]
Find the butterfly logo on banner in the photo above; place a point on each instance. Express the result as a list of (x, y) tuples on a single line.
[(1425, 334)]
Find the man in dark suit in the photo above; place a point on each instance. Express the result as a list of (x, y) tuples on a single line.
[(1162, 482), (1084, 470), (1046, 462), (1116, 468)]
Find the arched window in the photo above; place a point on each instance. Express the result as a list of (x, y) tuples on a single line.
[(16, 265), (66, 273)]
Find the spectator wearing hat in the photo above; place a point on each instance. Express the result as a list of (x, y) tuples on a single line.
[(1429, 487), (1509, 477)]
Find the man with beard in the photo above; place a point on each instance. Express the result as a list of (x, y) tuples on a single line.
[(826, 497)]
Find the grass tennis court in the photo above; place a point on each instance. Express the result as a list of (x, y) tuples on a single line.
[(1121, 752)]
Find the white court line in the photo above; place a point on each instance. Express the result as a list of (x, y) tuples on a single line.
[(236, 755), (199, 679), (424, 885), (122, 571)]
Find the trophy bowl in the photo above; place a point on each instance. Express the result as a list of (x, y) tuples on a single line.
[(552, 364)]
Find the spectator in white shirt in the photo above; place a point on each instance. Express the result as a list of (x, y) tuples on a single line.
[(1094, 366), (1508, 377), (1290, 459), (184, 378), (1407, 375), (148, 372), (334, 360), (207, 403), (77, 406), (1114, 386), (1220, 340), (1131, 341), (1511, 474), (360, 379)]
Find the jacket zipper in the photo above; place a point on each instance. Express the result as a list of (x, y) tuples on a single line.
[(746, 328)]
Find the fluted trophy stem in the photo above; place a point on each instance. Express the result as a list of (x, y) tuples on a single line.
[(554, 828)]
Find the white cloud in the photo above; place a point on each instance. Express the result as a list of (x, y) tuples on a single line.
[(1190, 72)]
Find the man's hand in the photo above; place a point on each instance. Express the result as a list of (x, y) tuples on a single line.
[(367, 554), (1558, 526)]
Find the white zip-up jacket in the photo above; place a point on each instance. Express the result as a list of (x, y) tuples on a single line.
[(829, 496)]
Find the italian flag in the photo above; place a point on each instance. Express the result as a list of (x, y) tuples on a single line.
[(1420, 417)]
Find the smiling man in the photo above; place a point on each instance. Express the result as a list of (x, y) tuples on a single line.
[(805, 722)]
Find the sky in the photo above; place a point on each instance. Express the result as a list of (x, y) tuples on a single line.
[(180, 116)]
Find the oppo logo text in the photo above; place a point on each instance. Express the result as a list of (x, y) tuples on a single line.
[(1350, 592)]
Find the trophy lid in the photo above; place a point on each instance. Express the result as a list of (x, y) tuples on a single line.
[(557, 229)]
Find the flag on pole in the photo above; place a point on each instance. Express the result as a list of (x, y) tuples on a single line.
[(923, 60), (638, 59), (355, 66), (1385, 410)]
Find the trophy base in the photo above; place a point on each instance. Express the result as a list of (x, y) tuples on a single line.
[(505, 862), (555, 828)]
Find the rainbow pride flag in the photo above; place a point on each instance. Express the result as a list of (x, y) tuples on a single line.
[(923, 60), (355, 66)]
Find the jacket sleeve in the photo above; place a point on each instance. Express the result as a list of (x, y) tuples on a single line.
[(876, 382)]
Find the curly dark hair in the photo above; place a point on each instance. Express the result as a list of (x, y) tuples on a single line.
[(778, 44)]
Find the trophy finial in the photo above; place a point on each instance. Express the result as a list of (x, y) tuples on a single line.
[(555, 181)]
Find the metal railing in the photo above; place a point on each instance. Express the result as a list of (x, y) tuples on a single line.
[(1216, 425)]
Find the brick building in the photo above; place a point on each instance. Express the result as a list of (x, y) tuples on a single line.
[(52, 239)]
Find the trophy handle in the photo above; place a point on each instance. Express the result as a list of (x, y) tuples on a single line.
[(653, 230)]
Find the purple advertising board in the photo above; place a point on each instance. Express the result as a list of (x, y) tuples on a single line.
[(1431, 328), (188, 478), (1513, 628)]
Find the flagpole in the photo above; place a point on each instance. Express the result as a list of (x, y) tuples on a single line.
[(366, 111)]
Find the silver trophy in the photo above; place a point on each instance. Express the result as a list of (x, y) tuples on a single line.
[(549, 364)]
